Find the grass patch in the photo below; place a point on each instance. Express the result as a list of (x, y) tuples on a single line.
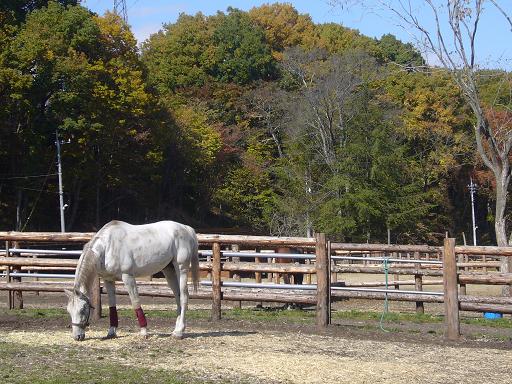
[(271, 314), (494, 323), (394, 317), (294, 316), (46, 313), (249, 314), (44, 365)]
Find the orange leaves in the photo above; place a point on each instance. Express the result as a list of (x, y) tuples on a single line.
[(500, 122)]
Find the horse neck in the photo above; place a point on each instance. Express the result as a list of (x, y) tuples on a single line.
[(86, 271)]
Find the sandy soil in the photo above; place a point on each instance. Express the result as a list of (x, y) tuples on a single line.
[(348, 351), (231, 351)]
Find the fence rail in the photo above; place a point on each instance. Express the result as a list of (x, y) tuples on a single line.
[(321, 259)]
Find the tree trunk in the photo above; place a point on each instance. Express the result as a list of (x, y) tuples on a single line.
[(502, 181)]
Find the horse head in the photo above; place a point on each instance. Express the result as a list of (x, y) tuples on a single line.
[(79, 308)]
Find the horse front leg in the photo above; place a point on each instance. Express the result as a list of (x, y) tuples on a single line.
[(131, 287), (114, 321)]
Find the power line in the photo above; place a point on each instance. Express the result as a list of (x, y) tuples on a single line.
[(37, 199), (37, 190), (28, 176), (133, 4)]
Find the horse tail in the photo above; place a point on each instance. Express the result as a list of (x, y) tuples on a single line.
[(194, 265)]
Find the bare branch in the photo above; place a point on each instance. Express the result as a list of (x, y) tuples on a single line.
[(502, 11)]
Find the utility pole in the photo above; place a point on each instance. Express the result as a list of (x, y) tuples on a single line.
[(472, 191), (61, 192)]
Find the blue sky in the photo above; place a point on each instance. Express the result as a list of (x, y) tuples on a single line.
[(147, 16)]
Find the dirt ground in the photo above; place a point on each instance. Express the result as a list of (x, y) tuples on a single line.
[(230, 351)]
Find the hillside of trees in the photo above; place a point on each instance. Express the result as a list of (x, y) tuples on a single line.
[(254, 122)]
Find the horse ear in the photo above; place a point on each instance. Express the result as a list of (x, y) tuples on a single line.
[(68, 293)]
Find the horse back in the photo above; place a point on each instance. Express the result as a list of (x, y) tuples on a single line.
[(142, 250)]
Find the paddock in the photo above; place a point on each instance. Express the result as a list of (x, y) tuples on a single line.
[(438, 275), (233, 351), (223, 349)]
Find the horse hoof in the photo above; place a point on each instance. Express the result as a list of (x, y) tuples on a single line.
[(111, 333), (144, 333), (178, 336)]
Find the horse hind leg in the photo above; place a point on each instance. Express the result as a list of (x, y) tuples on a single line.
[(180, 321), (177, 278), (173, 283), (131, 286)]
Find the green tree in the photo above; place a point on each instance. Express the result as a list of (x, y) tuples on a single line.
[(19, 9), (241, 52), (355, 175), (283, 27), (393, 50), (435, 121), (83, 79), (179, 55), (245, 197), (336, 39)]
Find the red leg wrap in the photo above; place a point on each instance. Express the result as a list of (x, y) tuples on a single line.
[(114, 321), (141, 317)]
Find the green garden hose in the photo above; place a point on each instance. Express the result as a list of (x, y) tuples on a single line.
[(386, 306)]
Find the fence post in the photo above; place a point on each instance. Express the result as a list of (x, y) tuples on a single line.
[(308, 275), (216, 283), (322, 281), (17, 296), (418, 285), (236, 276), (8, 276), (329, 275), (451, 298), (257, 275), (209, 273), (257, 260)]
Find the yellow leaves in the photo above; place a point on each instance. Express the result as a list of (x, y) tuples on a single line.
[(283, 26), (259, 153), (199, 133), (155, 157), (103, 92), (116, 35), (431, 103), (337, 39)]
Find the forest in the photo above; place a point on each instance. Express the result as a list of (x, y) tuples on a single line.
[(257, 122)]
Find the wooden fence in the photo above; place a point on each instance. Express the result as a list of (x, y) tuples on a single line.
[(420, 262)]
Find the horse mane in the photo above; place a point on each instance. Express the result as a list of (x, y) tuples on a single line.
[(86, 268)]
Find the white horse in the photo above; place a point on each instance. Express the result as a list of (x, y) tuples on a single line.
[(121, 251)]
